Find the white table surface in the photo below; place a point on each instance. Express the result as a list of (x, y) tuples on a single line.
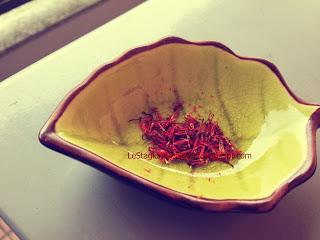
[(50, 196)]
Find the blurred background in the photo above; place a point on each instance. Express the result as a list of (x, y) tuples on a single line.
[(35, 28)]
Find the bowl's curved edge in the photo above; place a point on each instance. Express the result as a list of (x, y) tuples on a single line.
[(50, 139)]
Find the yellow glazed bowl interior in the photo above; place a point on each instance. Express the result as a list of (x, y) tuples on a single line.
[(252, 106)]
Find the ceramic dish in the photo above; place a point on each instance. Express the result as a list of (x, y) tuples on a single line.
[(248, 96)]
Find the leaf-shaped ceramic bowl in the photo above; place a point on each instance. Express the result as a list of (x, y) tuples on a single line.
[(248, 97)]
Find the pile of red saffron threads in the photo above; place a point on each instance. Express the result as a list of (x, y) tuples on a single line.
[(194, 141)]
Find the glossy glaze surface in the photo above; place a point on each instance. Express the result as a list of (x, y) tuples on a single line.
[(247, 98)]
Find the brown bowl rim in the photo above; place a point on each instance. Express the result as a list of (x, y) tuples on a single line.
[(50, 139)]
